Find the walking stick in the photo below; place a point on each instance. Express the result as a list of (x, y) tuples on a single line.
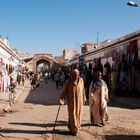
[(56, 117)]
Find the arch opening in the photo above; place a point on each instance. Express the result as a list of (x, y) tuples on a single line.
[(43, 66)]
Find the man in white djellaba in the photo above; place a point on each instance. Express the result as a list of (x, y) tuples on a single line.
[(98, 98)]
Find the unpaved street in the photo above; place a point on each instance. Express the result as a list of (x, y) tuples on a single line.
[(34, 114)]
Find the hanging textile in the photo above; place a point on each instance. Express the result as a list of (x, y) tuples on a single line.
[(2, 85)]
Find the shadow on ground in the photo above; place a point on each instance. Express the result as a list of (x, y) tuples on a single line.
[(122, 137), (121, 104), (66, 133), (59, 123)]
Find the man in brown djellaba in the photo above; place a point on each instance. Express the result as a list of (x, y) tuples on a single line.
[(74, 92)]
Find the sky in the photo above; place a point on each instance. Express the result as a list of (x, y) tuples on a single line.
[(50, 26)]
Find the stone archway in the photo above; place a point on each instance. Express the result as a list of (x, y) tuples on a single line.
[(43, 58), (48, 59)]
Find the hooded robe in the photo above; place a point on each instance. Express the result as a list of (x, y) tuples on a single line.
[(75, 95)]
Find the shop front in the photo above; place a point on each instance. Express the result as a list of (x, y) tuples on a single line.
[(119, 63)]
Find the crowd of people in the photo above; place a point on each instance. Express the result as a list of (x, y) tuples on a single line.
[(78, 88)]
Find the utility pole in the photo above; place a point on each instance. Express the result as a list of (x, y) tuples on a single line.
[(77, 47), (97, 38)]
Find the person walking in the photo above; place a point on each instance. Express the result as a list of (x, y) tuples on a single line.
[(19, 78), (62, 79), (46, 77), (98, 100), (32, 78), (57, 79), (23, 78), (74, 92)]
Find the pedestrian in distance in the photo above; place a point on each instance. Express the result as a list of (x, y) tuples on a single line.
[(23, 78), (46, 77), (98, 94), (32, 78), (19, 78), (57, 79), (74, 92)]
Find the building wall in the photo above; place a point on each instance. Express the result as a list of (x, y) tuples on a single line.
[(69, 53), (8, 55), (106, 53)]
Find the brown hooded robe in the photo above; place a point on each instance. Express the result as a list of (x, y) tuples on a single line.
[(75, 95)]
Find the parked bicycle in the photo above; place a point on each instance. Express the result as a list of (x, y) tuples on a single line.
[(12, 93)]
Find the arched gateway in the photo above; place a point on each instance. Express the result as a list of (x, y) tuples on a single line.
[(48, 60)]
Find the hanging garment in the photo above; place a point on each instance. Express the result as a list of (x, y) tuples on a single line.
[(2, 85)]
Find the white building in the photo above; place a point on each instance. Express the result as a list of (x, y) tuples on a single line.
[(7, 55)]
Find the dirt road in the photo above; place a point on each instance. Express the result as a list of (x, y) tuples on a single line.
[(34, 114)]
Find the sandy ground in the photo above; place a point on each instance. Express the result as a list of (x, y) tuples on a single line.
[(34, 114)]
